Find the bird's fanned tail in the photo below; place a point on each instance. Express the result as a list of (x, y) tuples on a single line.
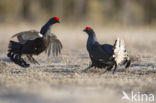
[(120, 54), (15, 55)]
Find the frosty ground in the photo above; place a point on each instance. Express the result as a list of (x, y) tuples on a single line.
[(60, 80)]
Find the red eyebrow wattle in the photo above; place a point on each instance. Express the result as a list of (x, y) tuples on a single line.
[(56, 18), (88, 28)]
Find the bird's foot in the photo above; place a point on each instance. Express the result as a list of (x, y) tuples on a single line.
[(103, 72), (85, 70), (35, 62), (32, 60), (114, 69)]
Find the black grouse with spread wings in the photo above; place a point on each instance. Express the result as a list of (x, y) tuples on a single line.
[(33, 43)]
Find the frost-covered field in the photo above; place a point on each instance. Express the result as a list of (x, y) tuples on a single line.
[(60, 80)]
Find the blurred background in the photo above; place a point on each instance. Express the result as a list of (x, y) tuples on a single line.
[(131, 20), (109, 18), (103, 12)]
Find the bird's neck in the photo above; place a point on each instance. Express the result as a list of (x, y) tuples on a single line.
[(91, 40), (46, 29)]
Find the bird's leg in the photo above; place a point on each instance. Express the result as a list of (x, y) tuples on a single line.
[(103, 72), (115, 68), (34, 60), (31, 59), (107, 69), (86, 69), (128, 63)]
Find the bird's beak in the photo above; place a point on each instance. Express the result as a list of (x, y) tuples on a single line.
[(84, 30), (58, 22)]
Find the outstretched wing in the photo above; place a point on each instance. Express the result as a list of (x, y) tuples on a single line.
[(27, 35), (54, 46), (120, 54)]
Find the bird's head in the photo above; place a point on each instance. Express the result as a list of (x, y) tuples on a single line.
[(54, 20), (88, 30), (48, 25)]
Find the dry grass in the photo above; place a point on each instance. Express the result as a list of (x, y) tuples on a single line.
[(59, 80)]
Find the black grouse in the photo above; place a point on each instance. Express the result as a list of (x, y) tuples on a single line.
[(33, 43), (106, 55)]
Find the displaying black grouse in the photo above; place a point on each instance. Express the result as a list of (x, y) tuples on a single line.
[(106, 55), (33, 43)]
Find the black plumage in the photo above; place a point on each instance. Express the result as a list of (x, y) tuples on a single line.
[(33, 43), (106, 55)]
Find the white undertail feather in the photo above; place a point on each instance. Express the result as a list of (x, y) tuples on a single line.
[(120, 53)]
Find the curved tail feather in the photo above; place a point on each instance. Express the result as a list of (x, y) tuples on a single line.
[(120, 54), (15, 55)]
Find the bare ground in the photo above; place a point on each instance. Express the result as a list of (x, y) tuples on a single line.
[(60, 80)]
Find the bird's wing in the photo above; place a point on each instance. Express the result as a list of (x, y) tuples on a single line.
[(54, 46), (27, 35), (120, 54), (108, 49), (99, 54)]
